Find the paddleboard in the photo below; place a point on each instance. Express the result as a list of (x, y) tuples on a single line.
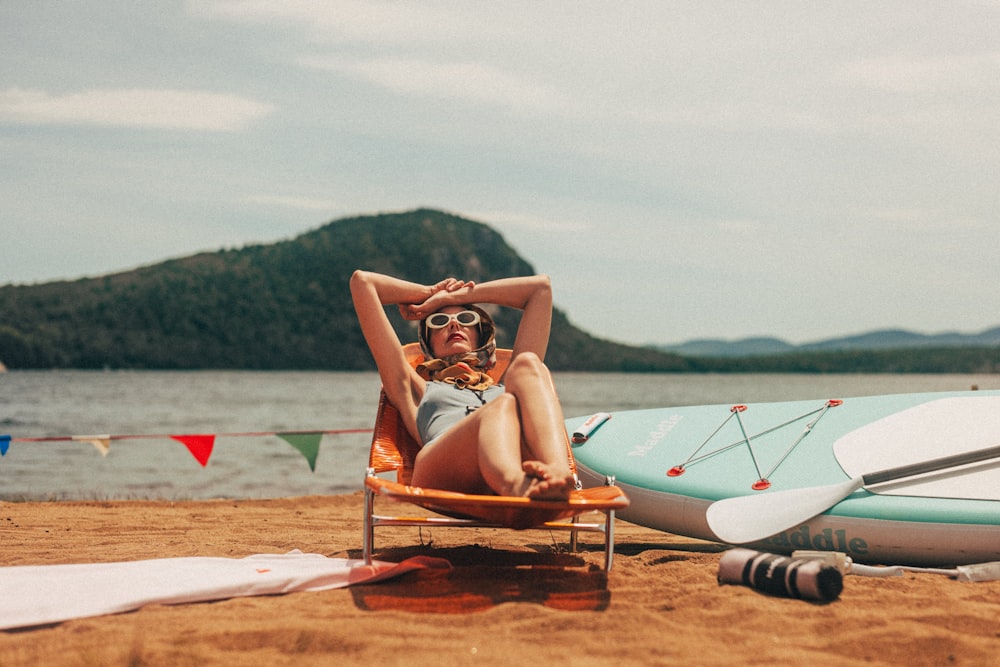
[(674, 462)]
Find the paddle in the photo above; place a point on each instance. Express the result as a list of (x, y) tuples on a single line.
[(745, 519)]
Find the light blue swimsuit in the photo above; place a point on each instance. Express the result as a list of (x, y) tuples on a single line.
[(444, 405)]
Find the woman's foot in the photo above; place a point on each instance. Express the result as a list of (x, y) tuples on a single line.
[(543, 483)]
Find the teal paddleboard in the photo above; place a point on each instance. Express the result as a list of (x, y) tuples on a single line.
[(675, 462)]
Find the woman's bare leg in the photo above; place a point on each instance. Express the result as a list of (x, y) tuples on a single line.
[(484, 453), (541, 415), (480, 454)]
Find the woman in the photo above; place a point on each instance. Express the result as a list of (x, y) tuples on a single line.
[(476, 437)]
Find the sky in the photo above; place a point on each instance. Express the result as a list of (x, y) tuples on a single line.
[(681, 170)]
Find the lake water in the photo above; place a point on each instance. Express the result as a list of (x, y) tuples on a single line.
[(67, 403)]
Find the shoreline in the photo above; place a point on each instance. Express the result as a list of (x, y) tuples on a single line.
[(511, 597)]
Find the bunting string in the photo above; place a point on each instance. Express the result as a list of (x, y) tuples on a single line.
[(200, 445)]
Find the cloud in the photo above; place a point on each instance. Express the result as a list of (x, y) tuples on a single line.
[(925, 221), (297, 203), (133, 108), (522, 221), (326, 21), (470, 82), (937, 74), (396, 37)]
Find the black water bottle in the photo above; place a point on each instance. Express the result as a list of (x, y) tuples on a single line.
[(779, 575)]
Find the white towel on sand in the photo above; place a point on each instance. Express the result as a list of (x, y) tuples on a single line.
[(42, 594)]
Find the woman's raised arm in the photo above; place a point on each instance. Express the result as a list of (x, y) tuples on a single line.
[(530, 294), (371, 292)]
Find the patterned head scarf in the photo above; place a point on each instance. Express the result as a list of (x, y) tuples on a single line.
[(468, 369)]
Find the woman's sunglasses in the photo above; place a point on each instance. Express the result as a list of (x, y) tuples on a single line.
[(467, 318)]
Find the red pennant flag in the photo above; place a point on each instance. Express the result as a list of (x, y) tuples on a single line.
[(200, 446)]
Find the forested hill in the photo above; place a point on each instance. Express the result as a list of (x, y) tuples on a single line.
[(285, 305)]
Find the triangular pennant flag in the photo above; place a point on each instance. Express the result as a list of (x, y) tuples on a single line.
[(101, 442), (4, 444), (306, 443), (200, 446)]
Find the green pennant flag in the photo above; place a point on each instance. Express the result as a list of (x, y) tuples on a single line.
[(306, 443)]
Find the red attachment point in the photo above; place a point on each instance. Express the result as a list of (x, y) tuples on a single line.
[(834, 402), (761, 484), (738, 408), (676, 471)]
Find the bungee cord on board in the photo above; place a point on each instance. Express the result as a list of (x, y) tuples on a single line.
[(762, 479)]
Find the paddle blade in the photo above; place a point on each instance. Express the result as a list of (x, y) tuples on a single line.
[(744, 519)]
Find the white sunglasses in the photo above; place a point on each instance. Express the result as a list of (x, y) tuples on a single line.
[(467, 318)]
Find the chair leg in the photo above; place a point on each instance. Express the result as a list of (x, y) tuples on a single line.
[(609, 530), (609, 540), (369, 526)]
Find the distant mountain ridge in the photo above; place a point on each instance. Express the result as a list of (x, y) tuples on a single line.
[(887, 339), (287, 305)]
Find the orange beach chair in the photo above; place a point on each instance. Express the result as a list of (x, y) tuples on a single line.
[(393, 450)]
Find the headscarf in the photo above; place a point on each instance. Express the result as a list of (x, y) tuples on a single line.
[(466, 370)]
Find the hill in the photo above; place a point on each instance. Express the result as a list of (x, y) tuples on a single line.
[(279, 306), (891, 351), (287, 305), (889, 339)]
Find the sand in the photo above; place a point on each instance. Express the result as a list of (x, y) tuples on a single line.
[(512, 598)]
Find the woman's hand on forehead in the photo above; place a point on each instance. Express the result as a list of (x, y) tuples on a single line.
[(436, 301), (452, 284)]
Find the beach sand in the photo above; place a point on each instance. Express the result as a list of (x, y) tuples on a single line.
[(512, 598)]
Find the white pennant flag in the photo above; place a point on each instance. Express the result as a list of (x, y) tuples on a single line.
[(101, 442)]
